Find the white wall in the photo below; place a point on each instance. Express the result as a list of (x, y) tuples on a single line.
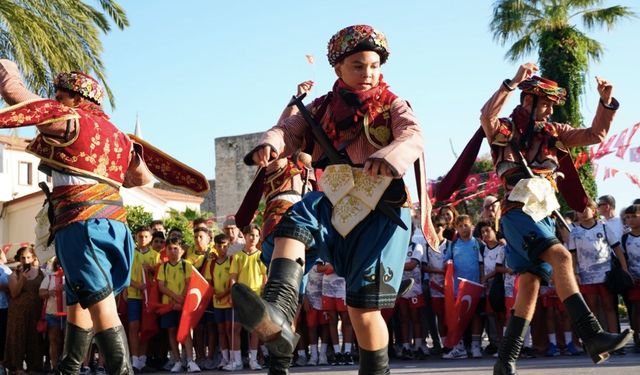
[(10, 188)]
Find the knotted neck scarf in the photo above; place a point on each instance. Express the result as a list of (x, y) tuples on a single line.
[(348, 107)]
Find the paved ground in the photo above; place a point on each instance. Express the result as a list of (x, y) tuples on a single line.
[(617, 365)]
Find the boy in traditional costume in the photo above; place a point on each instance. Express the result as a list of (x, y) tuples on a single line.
[(359, 223), (527, 142), (88, 159)]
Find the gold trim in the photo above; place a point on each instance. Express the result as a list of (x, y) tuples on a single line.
[(12, 107), (75, 114), (74, 169), (365, 122), (71, 141)]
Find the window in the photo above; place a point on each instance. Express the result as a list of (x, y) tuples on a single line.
[(24, 173)]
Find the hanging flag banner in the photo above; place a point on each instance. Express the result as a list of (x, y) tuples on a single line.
[(634, 154)]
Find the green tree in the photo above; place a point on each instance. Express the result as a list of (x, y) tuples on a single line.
[(45, 37), (549, 28), (137, 217)]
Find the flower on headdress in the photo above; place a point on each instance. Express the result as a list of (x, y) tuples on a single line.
[(347, 39), (81, 84)]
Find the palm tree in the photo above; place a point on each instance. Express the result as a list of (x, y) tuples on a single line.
[(548, 28), (48, 36)]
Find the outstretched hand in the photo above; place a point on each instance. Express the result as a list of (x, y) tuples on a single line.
[(305, 87), (605, 89), (263, 155), (525, 71)]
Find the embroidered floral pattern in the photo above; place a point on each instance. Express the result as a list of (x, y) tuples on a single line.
[(39, 112), (544, 87)]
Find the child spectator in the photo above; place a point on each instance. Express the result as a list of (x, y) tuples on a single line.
[(247, 269), (143, 267), (433, 264), (556, 318), (173, 278), (410, 304), (631, 246), (199, 257), (217, 273), (466, 254), (51, 290), (334, 303), (590, 243), (317, 318), (157, 245), (494, 270)]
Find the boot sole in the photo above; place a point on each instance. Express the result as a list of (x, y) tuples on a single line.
[(598, 358), (251, 313)]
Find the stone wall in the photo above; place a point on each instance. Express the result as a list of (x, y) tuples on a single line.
[(233, 177)]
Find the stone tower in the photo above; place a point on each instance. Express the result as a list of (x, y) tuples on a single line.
[(233, 177)]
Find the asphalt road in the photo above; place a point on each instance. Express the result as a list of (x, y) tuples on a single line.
[(582, 365)]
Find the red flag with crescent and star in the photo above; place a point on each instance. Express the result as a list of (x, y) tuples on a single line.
[(199, 294), (459, 313)]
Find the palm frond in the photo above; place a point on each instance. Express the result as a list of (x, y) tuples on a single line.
[(606, 16), (45, 37), (521, 48)]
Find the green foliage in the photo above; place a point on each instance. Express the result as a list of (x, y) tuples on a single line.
[(564, 51), (45, 37), (184, 221), (137, 217)]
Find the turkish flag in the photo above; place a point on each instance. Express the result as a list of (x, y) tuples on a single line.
[(460, 313), (149, 320), (199, 294)]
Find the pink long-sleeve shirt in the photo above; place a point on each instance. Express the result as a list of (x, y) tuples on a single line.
[(406, 145)]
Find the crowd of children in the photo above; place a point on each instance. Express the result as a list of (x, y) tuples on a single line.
[(417, 323)]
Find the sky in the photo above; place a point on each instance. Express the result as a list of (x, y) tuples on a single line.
[(194, 71)]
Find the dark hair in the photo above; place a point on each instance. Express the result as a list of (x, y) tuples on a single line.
[(220, 238), (175, 241), (485, 223), (633, 209), (201, 229), (158, 234), (156, 222), (143, 228), (251, 227), (636, 201), (175, 230), (19, 253), (199, 221)]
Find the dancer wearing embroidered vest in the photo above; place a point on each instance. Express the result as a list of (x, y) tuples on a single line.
[(88, 159), (377, 130), (532, 247)]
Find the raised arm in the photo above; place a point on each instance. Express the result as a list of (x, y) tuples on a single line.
[(492, 108), (607, 107), (12, 87)]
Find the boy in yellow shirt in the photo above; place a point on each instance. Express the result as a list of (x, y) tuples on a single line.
[(247, 269), (217, 273), (173, 279), (144, 261)]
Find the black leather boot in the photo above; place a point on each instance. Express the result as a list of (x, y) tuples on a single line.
[(272, 315), (76, 345), (597, 343), (113, 345), (279, 365), (510, 346), (374, 362)]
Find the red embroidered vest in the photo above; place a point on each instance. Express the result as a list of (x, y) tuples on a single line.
[(97, 150)]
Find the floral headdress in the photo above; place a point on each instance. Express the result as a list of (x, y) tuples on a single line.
[(354, 39), (80, 83), (544, 87)]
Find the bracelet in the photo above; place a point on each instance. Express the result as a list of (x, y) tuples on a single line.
[(506, 85)]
